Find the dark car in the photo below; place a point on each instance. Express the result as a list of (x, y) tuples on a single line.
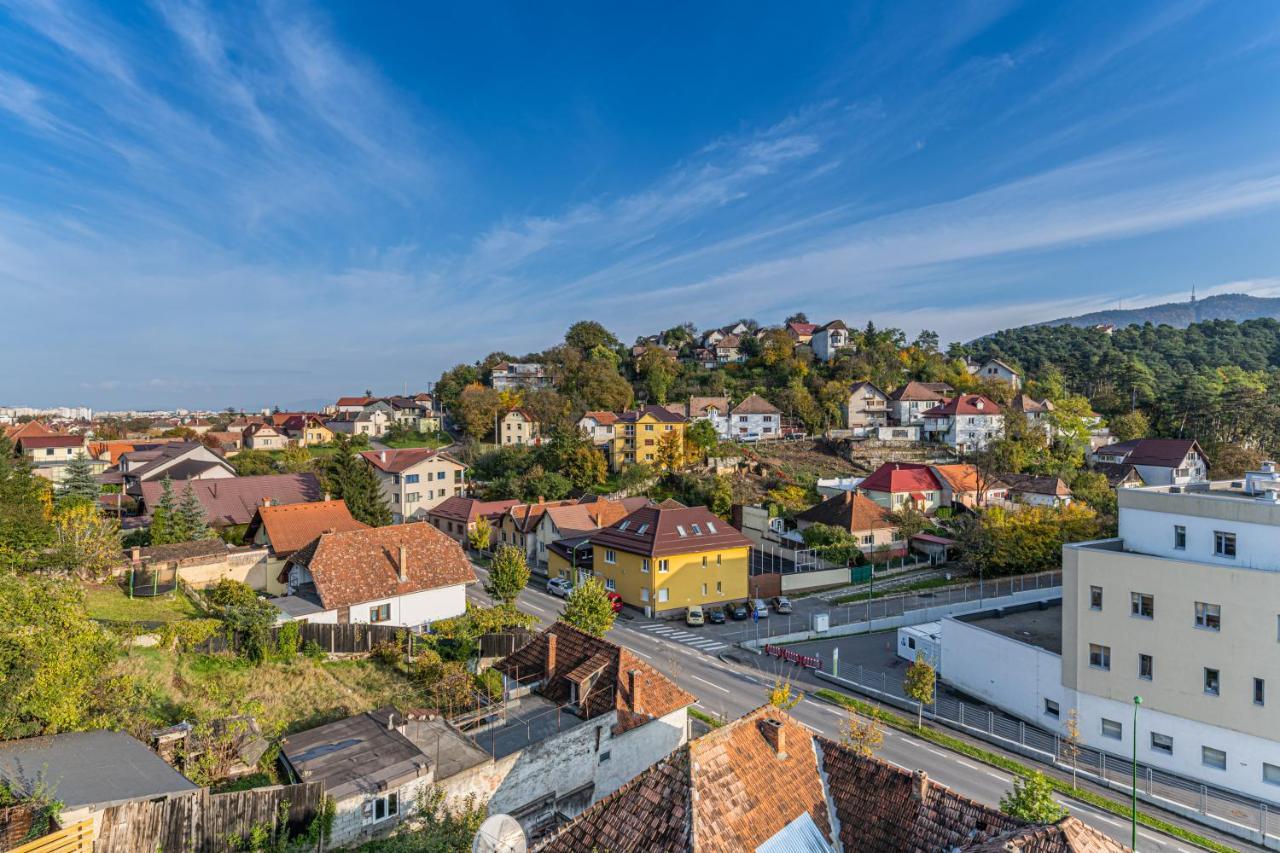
[(715, 615), (738, 610)]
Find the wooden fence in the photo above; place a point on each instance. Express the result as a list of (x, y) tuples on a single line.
[(76, 838), (333, 639), (203, 821)]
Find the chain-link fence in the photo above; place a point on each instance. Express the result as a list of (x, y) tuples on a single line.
[(1154, 785)]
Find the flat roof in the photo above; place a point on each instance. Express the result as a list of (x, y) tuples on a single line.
[(1028, 624), (530, 719), (98, 768), (358, 755)]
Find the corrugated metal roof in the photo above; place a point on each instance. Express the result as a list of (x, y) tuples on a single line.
[(800, 836)]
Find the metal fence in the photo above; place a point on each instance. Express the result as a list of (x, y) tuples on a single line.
[(1154, 785), (899, 604)]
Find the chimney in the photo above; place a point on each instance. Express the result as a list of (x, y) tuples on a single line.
[(541, 499), (404, 552), (633, 685), (382, 456), (326, 497), (266, 501), (920, 786), (391, 721), (775, 736), (551, 655)]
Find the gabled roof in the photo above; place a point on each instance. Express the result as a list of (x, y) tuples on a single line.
[(1037, 484), (355, 401), (897, 477), (467, 510), (1154, 452), (729, 342), (1003, 364), (963, 478), (526, 516), (362, 565), (42, 442), (396, 461), (157, 459), (865, 385), (31, 428), (590, 516), (602, 418), (756, 405), (964, 404), (848, 511), (922, 391), (662, 530), (638, 698), (803, 329), (658, 413), (290, 526), (1117, 472), (235, 500), (1029, 406), (834, 324), (698, 406)]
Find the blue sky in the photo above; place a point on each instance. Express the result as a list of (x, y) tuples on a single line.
[(231, 204)]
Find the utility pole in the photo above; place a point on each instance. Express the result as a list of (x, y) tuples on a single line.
[(1133, 817)]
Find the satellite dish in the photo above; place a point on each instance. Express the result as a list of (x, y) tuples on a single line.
[(500, 833)]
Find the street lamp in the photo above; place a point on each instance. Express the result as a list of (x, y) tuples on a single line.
[(1133, 839)]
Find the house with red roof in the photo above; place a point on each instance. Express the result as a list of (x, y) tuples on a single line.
[(895, 485), (50, 454), (966, 422), (457, 516), (416, 479)]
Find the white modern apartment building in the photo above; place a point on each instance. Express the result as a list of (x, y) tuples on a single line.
[(1182, 609)]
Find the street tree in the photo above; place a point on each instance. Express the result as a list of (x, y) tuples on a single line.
[(863, 735), (783, 696), (588, 607), (1032, 800), (920, 684), (508, 575), (1071, 741), (480, 534)]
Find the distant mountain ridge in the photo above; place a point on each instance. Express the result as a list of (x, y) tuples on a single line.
[(1226, 306)]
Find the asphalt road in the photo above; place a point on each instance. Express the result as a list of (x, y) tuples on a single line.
[(730, 690)]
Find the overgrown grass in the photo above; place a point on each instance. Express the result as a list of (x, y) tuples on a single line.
[(931, 583), (714, 722), (109, 602), (432, 440), (285, 697), (1010, 765)]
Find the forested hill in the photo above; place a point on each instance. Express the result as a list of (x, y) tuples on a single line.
[(1218, 381), (1228, 306)]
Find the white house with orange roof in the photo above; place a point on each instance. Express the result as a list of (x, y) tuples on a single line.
[(416, 479)]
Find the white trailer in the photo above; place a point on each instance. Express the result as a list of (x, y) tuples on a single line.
[(924, 639)]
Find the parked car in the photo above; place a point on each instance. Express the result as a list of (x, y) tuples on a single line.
[(738, 610), (694, 616), (616, 601), (782, 605), (760, 608), (560, 587), (715, 615)]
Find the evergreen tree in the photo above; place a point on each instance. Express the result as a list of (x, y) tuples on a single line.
[(352, 479), (190, 519), (24, 509), (164, 521), (79, 485)]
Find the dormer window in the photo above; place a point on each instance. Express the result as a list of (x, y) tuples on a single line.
[(711, 527), (681, 531), (697, 529), (641, 529), (624, 525)]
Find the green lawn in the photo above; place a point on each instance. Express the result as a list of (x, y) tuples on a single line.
[(432, 440), (932, 583), (110, 602)]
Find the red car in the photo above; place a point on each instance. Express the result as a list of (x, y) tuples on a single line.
[(616, 601)]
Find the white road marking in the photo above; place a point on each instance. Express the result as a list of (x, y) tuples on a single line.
[(642, 654), (996, 776), (713, 647), (653, 627), (710, 684), (828, 709), (937, 752)]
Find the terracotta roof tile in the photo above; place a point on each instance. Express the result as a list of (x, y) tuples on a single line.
[(897, 477), (662, 530), (965, 404), (290, 526), (756, 405), (396, 461), (235, 500), (361, 565), (849, 511), (922, 391), (469, 509)]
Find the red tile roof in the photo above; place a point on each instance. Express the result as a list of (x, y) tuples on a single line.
[(362, 565), (923, 391), (469, 509), (31, 428), (602, 418), (291, 526), (849, 511), (234, 500), (756, 405), (355, 401), (964, 404), (396, 461), (40, 442), (894, 477), (659, 531), (803, 328)]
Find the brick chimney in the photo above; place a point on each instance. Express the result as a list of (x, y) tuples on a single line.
[(551, 655), (776, 736), (634, 681), (920, 785), (400, 566)]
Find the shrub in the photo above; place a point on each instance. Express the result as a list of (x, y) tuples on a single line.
[(187, 634), (288, 639)]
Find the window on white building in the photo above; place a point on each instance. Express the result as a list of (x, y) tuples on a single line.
[(1208, 616), (1161, 743), (1270, 774), (1259, 691), (1142, 605), (1212, 681), (1179, 537), (381, 808), (1112, 729), (1224, 544), (1095, 598), (381, 613), (1099, 656), (1145, 667), (1215, 758), (1051, 708)]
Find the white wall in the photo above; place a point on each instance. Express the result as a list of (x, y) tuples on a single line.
[(416, 608), (1150, 532), (1011, 675)]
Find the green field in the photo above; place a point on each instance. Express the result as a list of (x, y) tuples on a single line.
[(109, 602)]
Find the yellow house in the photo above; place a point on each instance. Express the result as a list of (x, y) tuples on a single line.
[(638, 436), (663, 559)]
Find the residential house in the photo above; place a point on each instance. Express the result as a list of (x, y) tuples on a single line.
[(715, 336), (457, 516), (412, 414), (49, 455), (705, 358), (181, 461), (89, 772), (243, 423), (598, 427), (766, 782), (966, 422), (585, 516), (895, 485), (666, 558), (753, 419), (1037, 413), (637, 436), (13, 432), (264, 437), (964, 485), (861, 517), (373, 421), (231, 501), (1159, 461), (1038, 489), (995, 370), (352, 405), (199, 426), (285, 529), (228, 442), (306, 430), (583, 717), (866, 408), (518, 524), (728, 350), (519, 427), (801, 333), (908, 404), (1120, 475), (510, 375), (406, 575), (830, 340), (416, 479)]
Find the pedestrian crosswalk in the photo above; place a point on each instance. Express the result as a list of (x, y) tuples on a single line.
[(697, 641)]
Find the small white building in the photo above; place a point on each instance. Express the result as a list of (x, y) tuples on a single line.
[(908, 403), (866, 408), (598, 427), (1159, 461), (519, 427), (993, 369), (753, 419), (967, 422)]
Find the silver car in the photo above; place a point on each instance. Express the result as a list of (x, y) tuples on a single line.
[(560, 587)]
